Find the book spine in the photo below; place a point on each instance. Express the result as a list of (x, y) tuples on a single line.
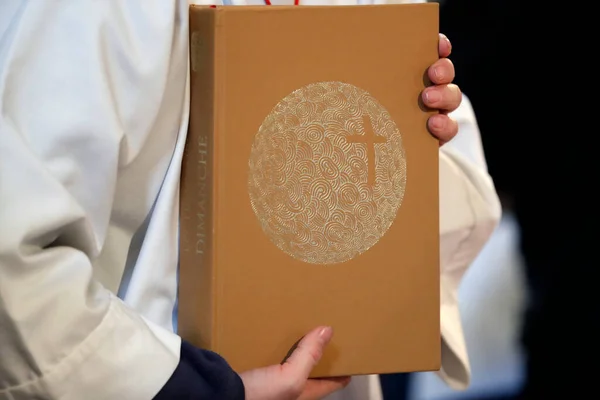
[(196, 318)]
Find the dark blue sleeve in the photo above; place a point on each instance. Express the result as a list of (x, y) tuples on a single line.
[(202, 375)]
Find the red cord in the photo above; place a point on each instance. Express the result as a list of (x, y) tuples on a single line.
[(268, 2)]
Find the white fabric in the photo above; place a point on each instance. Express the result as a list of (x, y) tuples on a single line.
[(93, 117)]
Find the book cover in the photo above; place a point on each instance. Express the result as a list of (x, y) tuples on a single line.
[(309, 190)]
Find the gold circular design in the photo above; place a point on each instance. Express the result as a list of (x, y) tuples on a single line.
[(327, 173)]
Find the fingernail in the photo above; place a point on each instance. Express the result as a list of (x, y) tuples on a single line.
[(439, 73), (437, 122), (326, 333), (432, 96)]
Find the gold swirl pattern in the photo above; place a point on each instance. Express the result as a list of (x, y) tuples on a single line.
[(327, 173)]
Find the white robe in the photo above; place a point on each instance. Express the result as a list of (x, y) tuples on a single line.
[(93, 116)]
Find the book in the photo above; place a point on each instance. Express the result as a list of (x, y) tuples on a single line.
[(309, 187)]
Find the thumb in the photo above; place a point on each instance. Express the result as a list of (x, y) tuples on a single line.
[(308, 353)]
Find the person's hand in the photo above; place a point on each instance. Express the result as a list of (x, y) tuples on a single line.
[(443, 96), (289, 381)]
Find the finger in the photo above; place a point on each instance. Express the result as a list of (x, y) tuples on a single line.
[(442, 127), (319, 388), (442, 97), (308, 353), (444, 46), (441, 72)]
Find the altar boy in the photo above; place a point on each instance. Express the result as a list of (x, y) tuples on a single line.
[(94, 105)]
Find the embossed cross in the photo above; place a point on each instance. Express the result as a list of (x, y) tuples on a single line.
[(369, 139)]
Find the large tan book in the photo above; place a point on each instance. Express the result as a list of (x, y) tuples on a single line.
[(309, 191)]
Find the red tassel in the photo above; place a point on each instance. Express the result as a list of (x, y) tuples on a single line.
[(296, 2)]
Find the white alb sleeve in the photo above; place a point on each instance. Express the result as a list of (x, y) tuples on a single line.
[(469, 212), (81, 84)]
